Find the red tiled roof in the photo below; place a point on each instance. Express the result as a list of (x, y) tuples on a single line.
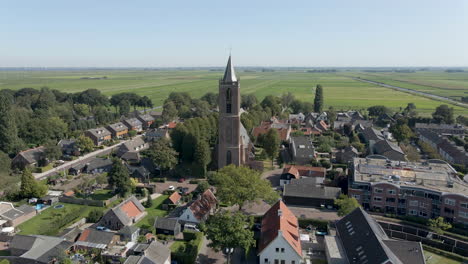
[(130, 209), (292, 170), (307, 171), (265, 126), (69, 193), (84, 235), (201, 207), (175, 197), (172, 125), (274, 224)]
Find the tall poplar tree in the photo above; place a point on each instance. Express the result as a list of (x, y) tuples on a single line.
[(318, 101), (9, 141)]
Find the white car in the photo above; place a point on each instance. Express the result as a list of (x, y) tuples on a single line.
[(191, 227), (171, 188)]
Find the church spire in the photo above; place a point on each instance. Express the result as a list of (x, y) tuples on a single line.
[(229, 73)]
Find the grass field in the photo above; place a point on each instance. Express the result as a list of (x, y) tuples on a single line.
[(37, 224), (432, 258), (340, 90), (153, 212)]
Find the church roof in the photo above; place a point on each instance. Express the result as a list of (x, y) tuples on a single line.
[(229, 73)]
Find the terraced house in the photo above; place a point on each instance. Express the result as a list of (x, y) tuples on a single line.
[(118, 130), (425, 189), (99, 135)]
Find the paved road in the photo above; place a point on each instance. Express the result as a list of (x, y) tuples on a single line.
[(84, 158), (433, 96)]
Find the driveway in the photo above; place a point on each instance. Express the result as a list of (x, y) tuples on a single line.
[(162, 186), (81, 159), (208, 256), (273, 176)]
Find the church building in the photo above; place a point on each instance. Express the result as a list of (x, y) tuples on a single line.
[(234, 145)]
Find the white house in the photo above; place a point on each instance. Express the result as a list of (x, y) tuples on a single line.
[(280, 239), (199, 210)]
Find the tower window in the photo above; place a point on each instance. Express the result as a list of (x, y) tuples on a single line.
[(228, 94), (228, 108), (228, 157)]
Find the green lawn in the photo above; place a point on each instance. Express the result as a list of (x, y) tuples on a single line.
[(40, 223), (99, 195), (340, 90), (177, 244), (153, 212), (432, 258)]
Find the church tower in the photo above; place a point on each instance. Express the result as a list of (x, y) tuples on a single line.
[(229, 147)]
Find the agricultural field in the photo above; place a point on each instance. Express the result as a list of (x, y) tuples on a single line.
[(453, 85), (341, 91)]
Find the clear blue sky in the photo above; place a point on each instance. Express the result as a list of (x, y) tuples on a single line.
[(261, 33)]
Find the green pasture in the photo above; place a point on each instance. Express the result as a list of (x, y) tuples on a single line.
[(341, 91)]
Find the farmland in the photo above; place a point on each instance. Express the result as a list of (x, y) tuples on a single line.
[(341, 91)]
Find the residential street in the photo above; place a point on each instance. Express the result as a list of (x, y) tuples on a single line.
[(84, 158)]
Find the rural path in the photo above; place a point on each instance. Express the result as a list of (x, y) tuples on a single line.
[(432, 96), (67, 165)]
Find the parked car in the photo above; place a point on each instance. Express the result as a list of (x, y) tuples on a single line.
[(183, 191), (191, 227), (171, 188), (181, 180)]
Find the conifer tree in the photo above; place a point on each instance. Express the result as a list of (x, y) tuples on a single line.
[(318, 101)]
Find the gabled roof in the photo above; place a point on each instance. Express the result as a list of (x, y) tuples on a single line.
[(166, 223), (95, 238), (133, 122), (362, 239), (174, 197), (305, 171), (99, 132), (127, 210), (41, 249), (280, 221), (229, 73), (97, 163), (146, 117), (371, 133), (384, 145), (32, 155), (202, 206), (118, 127)]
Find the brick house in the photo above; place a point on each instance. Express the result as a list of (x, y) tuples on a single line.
[(126, 213), (147, 120), (296, 172), (133, 124), (99, 135), (28, 158), (199, 210), (118, 130)]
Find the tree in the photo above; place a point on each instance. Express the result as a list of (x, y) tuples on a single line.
[(124, 107), (5, 163), (230, 230), (84, 144), (202, 187), (211, 99), (401, 132), (410, 110), (438, 225), (169, 112), (132, 133), (346, 204), (52, 151), (378, 110), (30, 187), (9, 142), (91, 97), (149, 201), (318, 100), (271, 144), (238, 185), (162, 154), (248, 101), (144, 102), (287, 99), (202, 155), (119, 179), (272, 103), (443, 114), (94, 216)]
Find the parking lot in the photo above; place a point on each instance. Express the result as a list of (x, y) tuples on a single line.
[(162, 186)]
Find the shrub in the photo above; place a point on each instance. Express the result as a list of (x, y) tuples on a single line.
[(320, 224), (94, 216), (194, 181)]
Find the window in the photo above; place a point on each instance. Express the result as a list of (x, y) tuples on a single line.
[(450, 202), (357, 196), (422, 213), (228, 108), (277, 249), (276, 261), (464, 205), (378, 199), (266, 260), (463, 214), (282, 250), (378, 190), (391, 191), (228, 95), (413, 212), (390, 200), (413, 203), (422, 205), (283, 261), (293, 262), (228, 157)]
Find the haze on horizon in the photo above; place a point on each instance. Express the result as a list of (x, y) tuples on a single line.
[(305, 33)]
